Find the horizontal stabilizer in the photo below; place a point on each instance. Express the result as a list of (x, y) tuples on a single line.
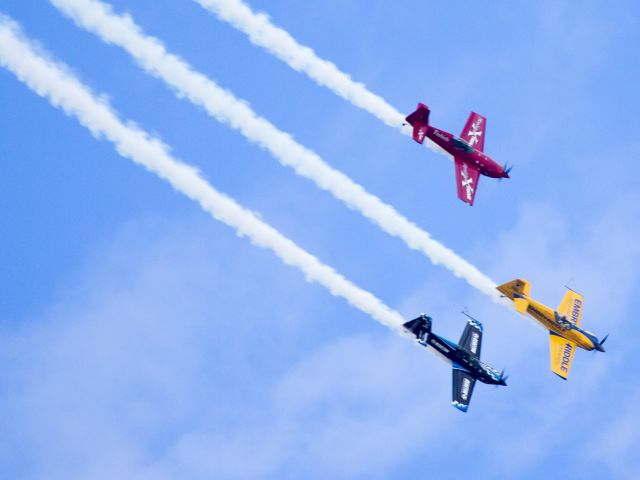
[(419, 132), (517, 290), (521, 304), (419, 120), (420, 327)]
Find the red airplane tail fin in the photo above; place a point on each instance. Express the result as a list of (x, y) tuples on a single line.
[(419, 120)]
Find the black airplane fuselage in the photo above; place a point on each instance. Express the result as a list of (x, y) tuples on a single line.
[(460, 357)]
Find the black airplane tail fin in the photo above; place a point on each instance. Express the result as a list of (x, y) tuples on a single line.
[(420, 327)]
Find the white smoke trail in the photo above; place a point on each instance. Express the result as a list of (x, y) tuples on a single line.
[(55, 82), (150, 53), (263, 33), (278, 42)]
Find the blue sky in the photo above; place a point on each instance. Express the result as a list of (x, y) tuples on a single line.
[(139, 338)]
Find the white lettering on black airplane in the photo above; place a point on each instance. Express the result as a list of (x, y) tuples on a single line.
[(464, 357), (467, 150)]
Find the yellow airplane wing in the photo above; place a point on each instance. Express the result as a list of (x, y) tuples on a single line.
[(571, 307), (562, 351)]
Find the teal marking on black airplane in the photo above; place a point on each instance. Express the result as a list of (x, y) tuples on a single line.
[(464, 357)]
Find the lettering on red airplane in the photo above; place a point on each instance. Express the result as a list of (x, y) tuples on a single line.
[(566, 356), (467, 181), (475, 132), (420, 135), (575, 313), (440, 135)]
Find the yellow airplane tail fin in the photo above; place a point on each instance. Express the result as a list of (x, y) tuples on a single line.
[(517, 290)]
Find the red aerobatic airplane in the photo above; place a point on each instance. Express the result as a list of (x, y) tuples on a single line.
[(467, 151)]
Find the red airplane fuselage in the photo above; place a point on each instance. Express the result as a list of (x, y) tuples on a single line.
[(460, 149)]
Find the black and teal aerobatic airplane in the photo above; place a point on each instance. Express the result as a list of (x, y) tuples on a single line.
[(464, 357)]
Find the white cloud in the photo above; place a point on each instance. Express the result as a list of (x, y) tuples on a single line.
[(152, 366)]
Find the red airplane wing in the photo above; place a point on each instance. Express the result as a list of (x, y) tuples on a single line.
[(466, 181), (473, 132)]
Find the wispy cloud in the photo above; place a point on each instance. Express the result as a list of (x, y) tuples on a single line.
[(65, 91), (121, 30), (602, 259), (167, 373)]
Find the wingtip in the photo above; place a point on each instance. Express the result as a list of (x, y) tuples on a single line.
[(460, 406)]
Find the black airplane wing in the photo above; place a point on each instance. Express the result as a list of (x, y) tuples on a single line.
[(463, 384), (471, 339)]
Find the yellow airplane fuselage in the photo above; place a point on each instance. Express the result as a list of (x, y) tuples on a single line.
[(547, 317)]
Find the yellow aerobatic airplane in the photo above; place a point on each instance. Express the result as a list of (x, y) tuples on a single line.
[(565, 333)]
